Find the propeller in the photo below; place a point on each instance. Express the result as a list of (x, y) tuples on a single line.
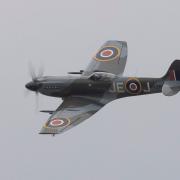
[(34, 84), (37, 102), (33, 74)]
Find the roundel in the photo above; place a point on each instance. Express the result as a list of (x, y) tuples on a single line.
[(107, 53), (59, 122), (133, 86)]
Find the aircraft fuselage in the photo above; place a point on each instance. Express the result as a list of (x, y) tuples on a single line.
[(118, 87)]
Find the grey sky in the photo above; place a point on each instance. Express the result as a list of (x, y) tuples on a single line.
[(133, 138)]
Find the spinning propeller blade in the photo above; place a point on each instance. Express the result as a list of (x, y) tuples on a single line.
[(33, 74), (32, 71)]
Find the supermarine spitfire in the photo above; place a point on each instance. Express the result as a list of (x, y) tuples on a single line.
[(100, 83)]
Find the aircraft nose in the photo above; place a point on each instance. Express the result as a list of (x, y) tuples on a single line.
[(33, 86)]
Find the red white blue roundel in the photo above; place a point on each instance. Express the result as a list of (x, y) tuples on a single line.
[(133, 86), (107, 54), (59, 122)]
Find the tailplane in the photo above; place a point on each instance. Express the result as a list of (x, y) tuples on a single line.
[(172, 79)]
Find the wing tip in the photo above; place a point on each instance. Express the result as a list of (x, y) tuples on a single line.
[(117, 41)]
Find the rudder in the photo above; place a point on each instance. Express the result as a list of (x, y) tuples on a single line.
[(173, 73)]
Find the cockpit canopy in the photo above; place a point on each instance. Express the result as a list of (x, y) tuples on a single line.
[(96, 76)]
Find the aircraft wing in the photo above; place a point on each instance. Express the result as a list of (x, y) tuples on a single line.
[(111, 58), (70, 113)]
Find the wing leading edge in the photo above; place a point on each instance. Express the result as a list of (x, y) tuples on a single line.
[(111, 58)]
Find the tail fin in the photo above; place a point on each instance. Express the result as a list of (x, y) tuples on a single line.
[(173, 73), (171, 84)]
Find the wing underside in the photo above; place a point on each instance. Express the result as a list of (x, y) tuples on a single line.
[(111, 58), (70, 113)]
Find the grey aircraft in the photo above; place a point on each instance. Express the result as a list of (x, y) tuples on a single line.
[(87, 91)]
